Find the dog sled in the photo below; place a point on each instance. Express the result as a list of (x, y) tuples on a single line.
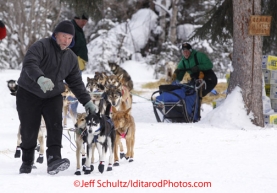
[(178, 103)]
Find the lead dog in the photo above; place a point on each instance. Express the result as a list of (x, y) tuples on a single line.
[(106, 138), (85, 134), (97, 133), (125, 127)]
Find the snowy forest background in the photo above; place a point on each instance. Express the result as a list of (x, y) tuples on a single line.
[(120, 30), (116, 35)]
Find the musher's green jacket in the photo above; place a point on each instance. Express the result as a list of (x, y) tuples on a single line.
[(204, 63)]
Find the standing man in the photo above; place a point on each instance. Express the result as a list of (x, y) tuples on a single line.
[(80, 47), (198, 65), (47, 63)]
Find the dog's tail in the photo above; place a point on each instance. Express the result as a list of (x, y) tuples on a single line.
[(130, 85)]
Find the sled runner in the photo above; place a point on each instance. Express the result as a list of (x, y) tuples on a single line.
[(178, 103)]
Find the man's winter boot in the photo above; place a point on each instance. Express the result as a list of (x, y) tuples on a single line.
[(28, 161), (55, 165), (25, 168)]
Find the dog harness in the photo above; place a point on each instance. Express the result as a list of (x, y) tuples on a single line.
[(100, 128), (123, 135)]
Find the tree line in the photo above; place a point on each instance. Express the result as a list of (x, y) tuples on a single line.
[(29, 20)]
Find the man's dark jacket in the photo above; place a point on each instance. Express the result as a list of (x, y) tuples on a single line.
[(45, 58), (80, 46)]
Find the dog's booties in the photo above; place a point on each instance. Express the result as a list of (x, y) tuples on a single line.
[(58, 165)]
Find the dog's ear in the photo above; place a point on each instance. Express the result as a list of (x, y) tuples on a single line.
[(104, 75), (120, 77), (118, 86), (128, 110), (78, 115), (96, 118)]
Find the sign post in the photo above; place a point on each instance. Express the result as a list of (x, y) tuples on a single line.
[(260, 25)]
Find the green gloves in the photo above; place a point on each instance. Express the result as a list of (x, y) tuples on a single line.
[(89, 106), (45, 84)]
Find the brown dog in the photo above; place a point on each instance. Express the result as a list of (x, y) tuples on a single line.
[(66, 103), (124, 125), (83, 135), (100, 77), (113, 85), (126, 78)]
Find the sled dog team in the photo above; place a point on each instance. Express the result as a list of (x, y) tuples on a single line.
[(105, 129)]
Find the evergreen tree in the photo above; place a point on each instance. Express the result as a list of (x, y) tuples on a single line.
[(91, 8), (219, 27)]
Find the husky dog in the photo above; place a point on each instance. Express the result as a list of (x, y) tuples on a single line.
[(96, 133), (106, 138), (12, 86), (114, 95), (169, 70), (126, 80), (85, 134), (93, 85), (100, 77), (114, 82), (125, 127), (96, 90), (69, 101)]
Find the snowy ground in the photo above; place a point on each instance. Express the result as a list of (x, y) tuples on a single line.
[(224, 152)]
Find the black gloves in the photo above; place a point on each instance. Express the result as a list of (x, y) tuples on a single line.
[(177, 71), (194, 69)]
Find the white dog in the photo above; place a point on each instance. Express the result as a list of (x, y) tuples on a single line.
[(169, 70)]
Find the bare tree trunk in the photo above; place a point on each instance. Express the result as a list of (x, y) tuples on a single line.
[(162, 20), (27, 21), (247, 57), (172, 35)]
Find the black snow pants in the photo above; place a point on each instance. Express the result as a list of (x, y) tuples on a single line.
[(30, 109)]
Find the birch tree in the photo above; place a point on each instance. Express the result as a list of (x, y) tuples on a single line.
[(172, 34), (27, 21), (247, 56), (162, 23)]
